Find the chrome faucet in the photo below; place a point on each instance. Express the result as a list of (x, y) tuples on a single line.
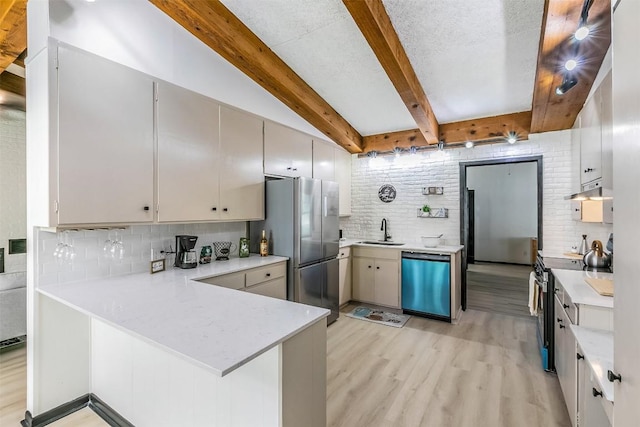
[(383, 227)]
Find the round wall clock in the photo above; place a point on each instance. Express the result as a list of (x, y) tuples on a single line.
[(387, 193)]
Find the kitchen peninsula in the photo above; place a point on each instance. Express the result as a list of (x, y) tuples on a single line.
[(165, 349)]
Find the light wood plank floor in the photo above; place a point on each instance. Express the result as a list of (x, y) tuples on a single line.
[(498, 288), (485, 371)]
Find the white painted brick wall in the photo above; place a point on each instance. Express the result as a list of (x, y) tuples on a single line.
[(408, 174), (13, 185), (91, 263)]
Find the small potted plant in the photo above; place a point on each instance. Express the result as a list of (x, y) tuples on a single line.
[(426, 210)]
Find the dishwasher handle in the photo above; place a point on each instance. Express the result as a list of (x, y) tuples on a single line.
[(426, 257)]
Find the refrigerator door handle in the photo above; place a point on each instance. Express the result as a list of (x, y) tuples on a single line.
[(325, 206)]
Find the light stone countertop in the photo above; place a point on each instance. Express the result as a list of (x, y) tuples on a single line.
[(211, 326), (409, 246), (553, 254), (597, 346), (580, 291)]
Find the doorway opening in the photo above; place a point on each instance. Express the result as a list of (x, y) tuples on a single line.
[(501, 230)]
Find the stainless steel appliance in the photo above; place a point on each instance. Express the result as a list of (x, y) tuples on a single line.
[(302, 224), (426, 285), (185, 254)]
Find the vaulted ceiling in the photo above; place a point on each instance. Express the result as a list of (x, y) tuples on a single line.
[(380, 74), (13, 44)]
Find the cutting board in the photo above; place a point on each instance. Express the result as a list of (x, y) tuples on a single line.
[(601, 286), (572, 255)]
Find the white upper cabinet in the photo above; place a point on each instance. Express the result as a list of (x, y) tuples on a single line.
[(188, 155), (591, 140), (323, 160), (343, 178), (105, 141), (287, 152), (240, 166)]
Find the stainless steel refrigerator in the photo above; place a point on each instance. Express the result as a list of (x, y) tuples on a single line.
[(302, 224)]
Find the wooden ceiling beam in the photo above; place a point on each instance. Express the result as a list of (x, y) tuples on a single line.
[(476, 130), (12, 83), (560, 20), (212, 23), (375, 24), (13, 31)]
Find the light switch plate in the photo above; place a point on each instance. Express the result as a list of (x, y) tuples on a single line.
[(157, 266)]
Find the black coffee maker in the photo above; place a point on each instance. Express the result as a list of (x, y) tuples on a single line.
[(185, 253)]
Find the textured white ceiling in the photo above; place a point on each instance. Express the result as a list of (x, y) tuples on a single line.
[(474, 58), (320, 42)]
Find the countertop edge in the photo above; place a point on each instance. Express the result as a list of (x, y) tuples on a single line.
[(192, 278)]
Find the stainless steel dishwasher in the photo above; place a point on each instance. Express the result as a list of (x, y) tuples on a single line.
[(426, 285)]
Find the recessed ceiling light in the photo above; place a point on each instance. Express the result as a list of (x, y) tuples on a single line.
[(582, 33), (468, 144), (571, 64), (512, 138)]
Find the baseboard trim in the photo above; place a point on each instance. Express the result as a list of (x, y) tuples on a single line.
[(56, 413), (107, 413), (104, 411)]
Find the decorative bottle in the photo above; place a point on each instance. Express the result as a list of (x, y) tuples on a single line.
[(264, 245)]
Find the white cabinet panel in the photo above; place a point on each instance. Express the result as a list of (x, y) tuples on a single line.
[(287, 152), (105, 141), (240, 166), (343, 178), (188, 151), (626, 158), (273, 288), (344, 276), (591, 140), (323, 161), (363, 277)]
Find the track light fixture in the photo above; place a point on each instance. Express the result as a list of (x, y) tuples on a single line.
[(372, 154), (397, 151), (440, 145), (568, 81), (512, 137)]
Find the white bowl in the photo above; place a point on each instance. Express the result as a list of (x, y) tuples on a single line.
[(430, 241)]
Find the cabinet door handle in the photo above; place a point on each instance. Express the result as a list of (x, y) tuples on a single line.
[(579, 356), (596, 392), (612, 376), (369, 266), (559, 320), (565, 305), (377, 268), (587, 170), (214, 209), (146, 208), (289, 168), (225, 210), (268, 275), (562, 326)]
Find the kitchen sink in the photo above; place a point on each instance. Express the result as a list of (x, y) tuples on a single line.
[(380, 242)]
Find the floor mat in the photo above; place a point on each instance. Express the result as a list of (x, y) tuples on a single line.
[(379, 316)]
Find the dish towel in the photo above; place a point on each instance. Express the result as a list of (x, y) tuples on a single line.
[(533, 294)]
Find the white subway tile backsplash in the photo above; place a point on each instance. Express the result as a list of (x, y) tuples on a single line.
[(408, 174), (91, 261)]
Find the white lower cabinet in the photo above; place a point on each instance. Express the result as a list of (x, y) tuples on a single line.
[(593, 409), (344, 257), (376, 276), (566, 362), (270, 281)]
